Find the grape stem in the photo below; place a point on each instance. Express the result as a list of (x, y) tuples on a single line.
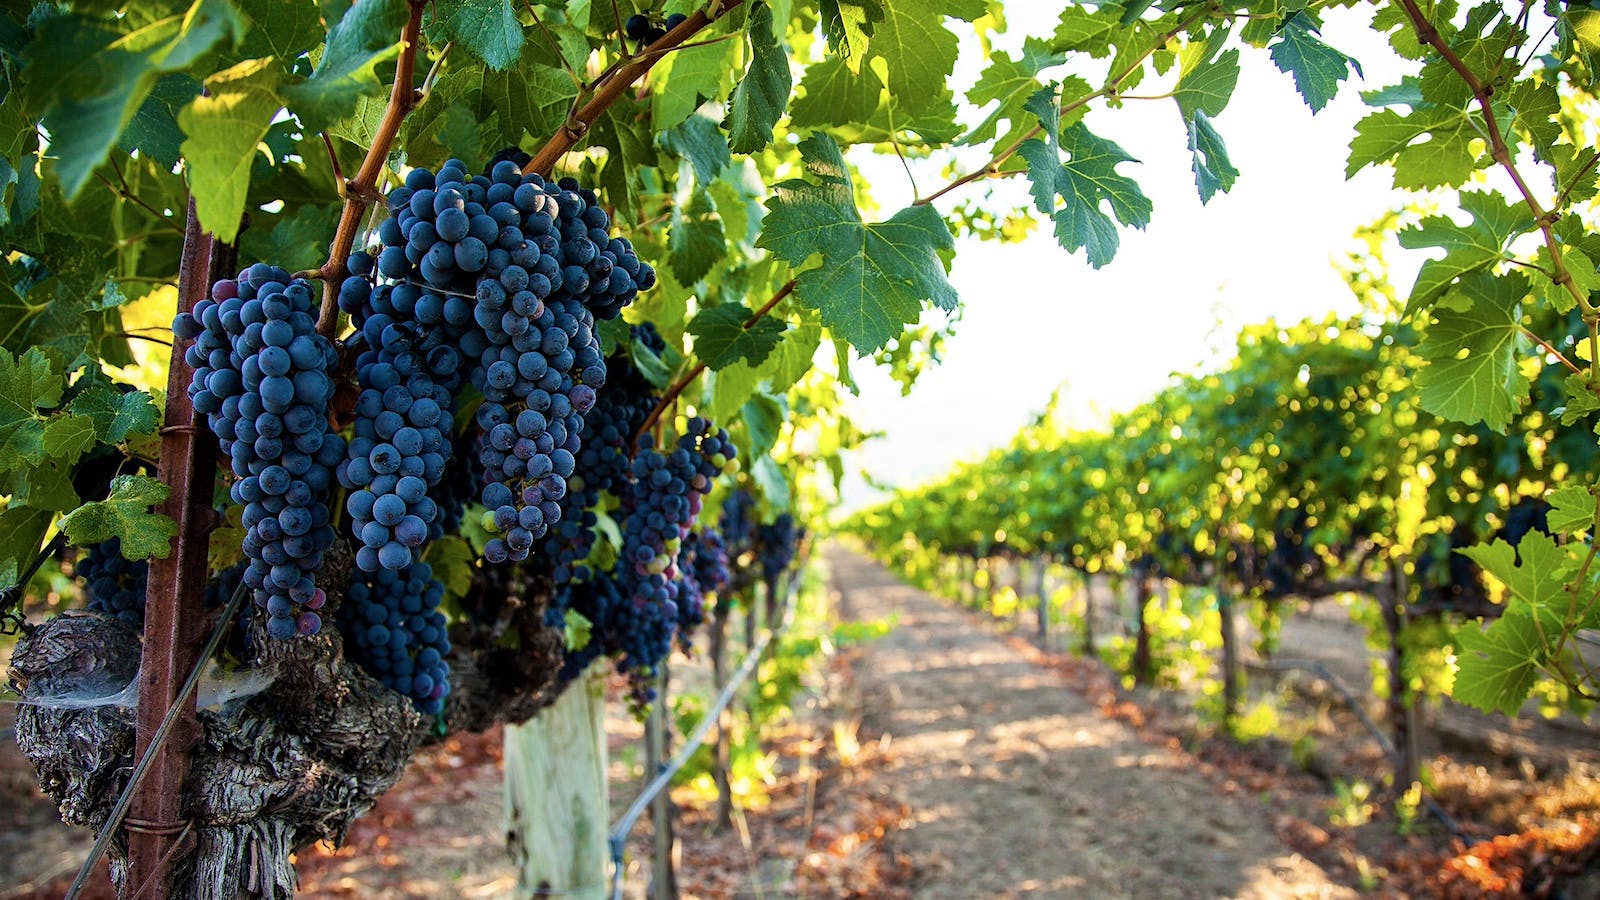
[(614, 83), (678, 386), (361, 192)]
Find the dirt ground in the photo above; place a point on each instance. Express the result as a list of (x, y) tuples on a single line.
[(951, 759)]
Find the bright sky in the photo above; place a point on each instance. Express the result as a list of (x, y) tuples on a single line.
[(1036, 317)]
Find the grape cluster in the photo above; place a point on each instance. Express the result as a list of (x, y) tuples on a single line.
[(644, 32), (776, 546), (738, 523), (116, 585), (261, 379), (705, 558), (660, 506), (399, 634)]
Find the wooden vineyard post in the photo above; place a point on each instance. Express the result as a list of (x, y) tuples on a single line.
[(1086, 587), (1230, 642), (1041, 565), (1402, 708), (1141, 640), (663, 880), (175, 600), (556, 764), (718, 651)]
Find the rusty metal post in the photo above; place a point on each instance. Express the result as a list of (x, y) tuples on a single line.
[(174, 601)]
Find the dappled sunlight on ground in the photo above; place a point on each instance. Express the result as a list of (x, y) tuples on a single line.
[(1019, 786)]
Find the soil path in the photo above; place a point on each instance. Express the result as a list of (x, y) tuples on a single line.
[(1019, 786)]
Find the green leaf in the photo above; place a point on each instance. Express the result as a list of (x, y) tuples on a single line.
[(763, 92), (28, 383), (793, 356), (224, 129), (289, 29), (685, 79), (1584, 277), (1207, 85), (453, 563), (848, 25), (770, 479), (68, 437), (1581, 399), (650, 365), (731, 389), (576, 629), (125, 514), (874, 278), (115, 414), (1444, 159), (1087, 29), (696, 241), (1316, 67), (918, 51), (1533, 570), (721, 338), (45, 486), (1571, 509), (488, 28), (763, 420), (153, 130), (1213, 171), (92, 77), (1536, 112), (1469, 248), (699, 142), (1473, 348), (1498, 663), (1009, 84), (22, 531), (367, 34), (1085, 182)]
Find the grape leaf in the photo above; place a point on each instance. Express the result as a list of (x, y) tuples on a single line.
[(1213, 171), (28, 383), (874, 277), (1087, 29), (125, 514), (919, 52), (576, 629), (699, 142), (1207, 84), (68, 437), (721, 338), (489, 28), (1499, 664), (1316, 67), (774, 486), (22, 530), (1009, 83), (696, 241), (848, 25), (1445, 158), (763, 92), (1581, 400), (730, 390), (367, 34), (1571, 509), (224, 128), (1473, 347), (115, 414), (763, 420), (289, 29), (92, 78), (452, 560), (153, 130), (1469, 248), (684, 80), (1087, 180)]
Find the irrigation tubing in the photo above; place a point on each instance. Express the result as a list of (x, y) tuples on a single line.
[(624, 824), (156, 741)]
